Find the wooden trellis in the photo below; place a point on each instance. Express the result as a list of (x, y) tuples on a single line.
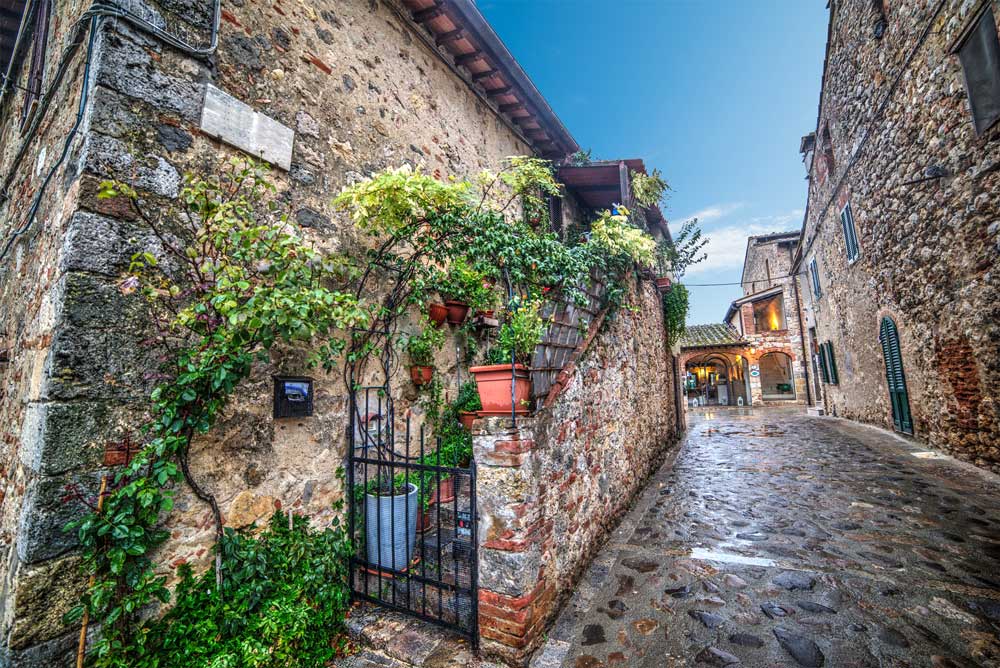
[(567, 330)]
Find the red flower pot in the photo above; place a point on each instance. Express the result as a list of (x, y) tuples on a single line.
[(493, 383), (467, 418), (663, 284), (437, 313), (456, 311), (445, 493), (421, 375)]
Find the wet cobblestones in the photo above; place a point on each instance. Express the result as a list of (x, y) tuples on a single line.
[(781, 540)]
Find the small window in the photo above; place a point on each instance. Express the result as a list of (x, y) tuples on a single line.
[(36, 73), (980, 57), (814, 276), (828, 363), (768, 315), (850, 234)]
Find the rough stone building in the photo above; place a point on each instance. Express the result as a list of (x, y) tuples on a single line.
[(327, 92), (900, 247), (756, 355)]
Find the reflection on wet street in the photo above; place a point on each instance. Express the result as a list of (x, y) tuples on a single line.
[(778, 539)]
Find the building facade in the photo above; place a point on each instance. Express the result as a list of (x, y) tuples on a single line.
[(327, 92), (899, 258), (755, 356)]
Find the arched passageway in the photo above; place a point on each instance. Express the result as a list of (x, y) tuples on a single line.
[(716, 380)]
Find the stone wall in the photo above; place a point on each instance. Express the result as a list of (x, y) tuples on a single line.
[(360, 92), (551, 489), (928, 248)]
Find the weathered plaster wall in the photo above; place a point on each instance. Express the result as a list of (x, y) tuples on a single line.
[(361, 94), (929, 251), (551, 489)]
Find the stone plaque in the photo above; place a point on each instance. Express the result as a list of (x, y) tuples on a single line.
[(226, 118)]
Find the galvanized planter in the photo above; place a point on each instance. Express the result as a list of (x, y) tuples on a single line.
[(391, 529)]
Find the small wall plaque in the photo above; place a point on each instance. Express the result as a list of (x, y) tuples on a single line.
[(226, 118), (293, 396)]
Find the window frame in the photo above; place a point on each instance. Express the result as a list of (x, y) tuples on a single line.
[(971, 27), (850, 229)]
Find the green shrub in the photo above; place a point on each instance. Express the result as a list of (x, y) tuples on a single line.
[(282, 604)]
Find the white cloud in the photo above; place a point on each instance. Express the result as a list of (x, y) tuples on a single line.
[(726, 246), (710, 213)]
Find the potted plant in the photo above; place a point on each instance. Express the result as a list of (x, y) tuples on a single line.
[(664, 261), (462, 287), (467, 404), (421, 348), (437, 313), (391, 506), (520, 333)]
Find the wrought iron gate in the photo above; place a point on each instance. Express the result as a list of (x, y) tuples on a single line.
[(412, 519)]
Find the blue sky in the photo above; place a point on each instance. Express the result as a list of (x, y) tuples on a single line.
[(716, 93)]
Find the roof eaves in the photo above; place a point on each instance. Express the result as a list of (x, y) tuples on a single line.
[(519, 95)]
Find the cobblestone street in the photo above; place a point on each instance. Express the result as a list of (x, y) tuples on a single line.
[(777, 539)]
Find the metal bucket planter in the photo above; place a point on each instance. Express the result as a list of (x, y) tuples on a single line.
[(391, 529)]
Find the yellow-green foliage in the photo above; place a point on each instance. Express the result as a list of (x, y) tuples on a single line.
[(614, 233)]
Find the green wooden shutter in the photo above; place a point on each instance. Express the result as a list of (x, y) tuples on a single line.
[(850, 233), (895, 378), (814, 273), (824, 372), (834, 379)]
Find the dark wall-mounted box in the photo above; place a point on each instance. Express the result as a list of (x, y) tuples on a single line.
[(293, 396)]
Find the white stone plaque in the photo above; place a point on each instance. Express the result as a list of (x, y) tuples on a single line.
[(226, 118)]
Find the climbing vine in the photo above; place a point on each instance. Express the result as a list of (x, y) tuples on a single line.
[(231, 281)]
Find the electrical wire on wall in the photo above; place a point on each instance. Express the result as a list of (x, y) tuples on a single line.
[(90, 20)]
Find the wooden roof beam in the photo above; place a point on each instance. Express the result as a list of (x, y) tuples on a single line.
[(479, 76), (464, 59), (428, 14), (451, 36), (508, 108), (497, 92)]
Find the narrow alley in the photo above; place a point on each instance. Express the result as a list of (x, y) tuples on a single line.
[(771, 538)]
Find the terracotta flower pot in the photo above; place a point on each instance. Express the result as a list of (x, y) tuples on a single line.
[(456, 311), (488, 313), (421, 375), (493, 383), (445, 493), (467, 418), (437, 313), (663, 284)]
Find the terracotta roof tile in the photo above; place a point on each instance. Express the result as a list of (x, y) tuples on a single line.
[(705, 336)]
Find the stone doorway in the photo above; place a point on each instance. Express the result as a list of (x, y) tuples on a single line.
[(777, 378)]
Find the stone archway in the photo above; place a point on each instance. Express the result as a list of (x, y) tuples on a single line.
[(715, 378)]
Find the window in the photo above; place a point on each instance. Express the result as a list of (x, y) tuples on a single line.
[(39, 41), (850, 234), (979, 53), (768, 315), (814, 276), (828, 363)]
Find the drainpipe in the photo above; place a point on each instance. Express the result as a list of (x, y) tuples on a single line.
[(802, 339)]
